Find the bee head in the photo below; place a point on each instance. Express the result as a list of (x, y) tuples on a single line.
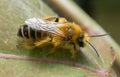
[(82, 39)]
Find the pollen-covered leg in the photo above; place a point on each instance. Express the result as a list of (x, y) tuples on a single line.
[(39, 43), (29, 45), (57, 42)]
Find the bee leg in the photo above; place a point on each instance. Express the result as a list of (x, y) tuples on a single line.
[(74, 52), (39, 43), (56, 43), (52, 51), (26, 45), (29, 45)]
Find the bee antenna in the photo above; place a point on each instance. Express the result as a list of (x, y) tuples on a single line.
[(99, 35), (93, 48)]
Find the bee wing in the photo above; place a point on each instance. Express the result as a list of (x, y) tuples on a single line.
[(48, 26)]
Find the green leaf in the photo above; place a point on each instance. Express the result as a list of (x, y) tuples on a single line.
[(12, 14)]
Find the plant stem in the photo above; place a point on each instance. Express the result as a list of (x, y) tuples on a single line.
[(10, 56)]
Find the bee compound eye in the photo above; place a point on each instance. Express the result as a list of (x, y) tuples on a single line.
[(80, 42)]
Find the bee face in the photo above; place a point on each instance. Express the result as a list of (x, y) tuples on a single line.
[(82, 39)]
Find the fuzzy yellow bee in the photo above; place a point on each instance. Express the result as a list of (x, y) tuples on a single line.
[(56, 30)]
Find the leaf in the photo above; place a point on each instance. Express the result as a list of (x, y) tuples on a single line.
[(15, 12)]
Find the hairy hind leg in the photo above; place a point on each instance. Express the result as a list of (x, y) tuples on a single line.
[(26, 45), (56, 42), (33, 44), (39, 43)]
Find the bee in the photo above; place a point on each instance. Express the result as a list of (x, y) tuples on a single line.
[(56, 30)]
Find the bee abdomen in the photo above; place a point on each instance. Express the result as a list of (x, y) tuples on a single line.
[(29, 33)]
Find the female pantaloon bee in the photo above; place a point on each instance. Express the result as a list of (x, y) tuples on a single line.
[(56, 30)]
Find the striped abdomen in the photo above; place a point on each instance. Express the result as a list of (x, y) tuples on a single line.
[(29, 33)]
